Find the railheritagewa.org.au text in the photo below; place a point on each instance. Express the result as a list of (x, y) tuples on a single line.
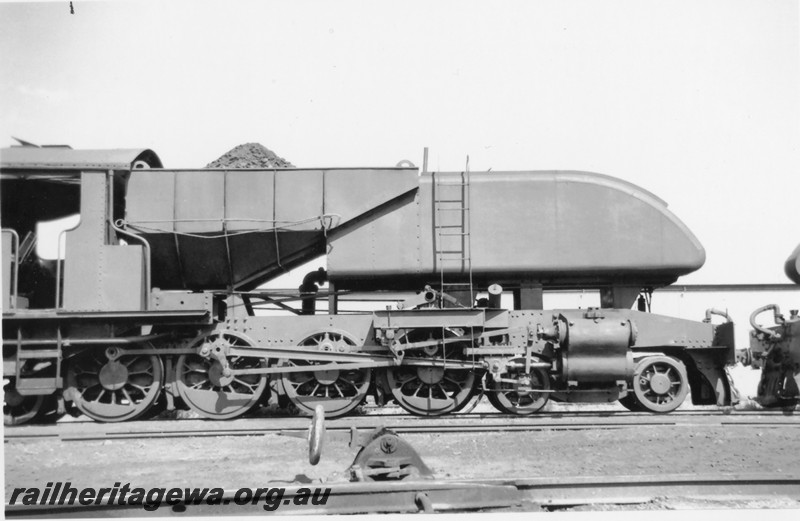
[(271, 498)]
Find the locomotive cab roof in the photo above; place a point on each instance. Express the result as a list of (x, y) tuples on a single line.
[(27, 161)]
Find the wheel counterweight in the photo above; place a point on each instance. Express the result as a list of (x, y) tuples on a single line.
[(111, 386), (431, 390), (202, 384), (337, 391)]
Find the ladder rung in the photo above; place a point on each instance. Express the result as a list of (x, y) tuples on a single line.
[(38, 353), (37, 386), (459, 260)]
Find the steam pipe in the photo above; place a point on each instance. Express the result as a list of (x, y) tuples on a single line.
[(310, 286), (777, 316), (719, 313)]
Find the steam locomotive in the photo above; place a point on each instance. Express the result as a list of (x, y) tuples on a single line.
[(776, 349), (155, 298)]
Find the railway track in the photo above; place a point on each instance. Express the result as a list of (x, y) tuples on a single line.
[(395, 412), (480, 492), (402, 424), (521, 494)]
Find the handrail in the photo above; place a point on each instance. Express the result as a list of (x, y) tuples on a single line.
[(719, 313), (58, 267), (777, 316), (15, 279), (146, 245), (118, 228), (63, 260)]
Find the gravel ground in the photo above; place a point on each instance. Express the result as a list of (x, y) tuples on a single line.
[(257, 461), (233, 462)]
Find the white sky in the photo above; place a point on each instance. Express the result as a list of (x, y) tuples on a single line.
[(696, 101)]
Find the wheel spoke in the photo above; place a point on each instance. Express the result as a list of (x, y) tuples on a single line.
[(448, 379), (119, 390), (513, 400), (204, 388), (242, 382), (309, 378), (404, 381), (664, 393), (337, 391)]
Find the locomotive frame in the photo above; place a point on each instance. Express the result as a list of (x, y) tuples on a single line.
[(116, 346)]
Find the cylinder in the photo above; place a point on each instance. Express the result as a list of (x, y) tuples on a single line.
[(597, 350)]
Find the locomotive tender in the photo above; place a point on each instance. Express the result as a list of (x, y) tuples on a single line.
[(155, 299)]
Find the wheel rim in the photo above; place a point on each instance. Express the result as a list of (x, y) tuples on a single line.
[(431, 391), (18, 409), (49, 412), (338, 391), (113, 386), (203, 387), (660, 383), (521, 397)]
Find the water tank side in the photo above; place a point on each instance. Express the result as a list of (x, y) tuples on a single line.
[(575, 222), (562, 228)]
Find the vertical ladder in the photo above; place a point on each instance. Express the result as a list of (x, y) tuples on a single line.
[(452, 229), (38, 366)]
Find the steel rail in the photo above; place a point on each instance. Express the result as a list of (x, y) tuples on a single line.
[(378, 412), (571, 491), (386, 412), (525, 494), (449, 425)]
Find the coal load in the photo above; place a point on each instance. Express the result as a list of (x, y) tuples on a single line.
[(250, 155)]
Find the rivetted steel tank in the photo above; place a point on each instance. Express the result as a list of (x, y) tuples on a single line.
[(559, 228), (397, 228), (237, 228)]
